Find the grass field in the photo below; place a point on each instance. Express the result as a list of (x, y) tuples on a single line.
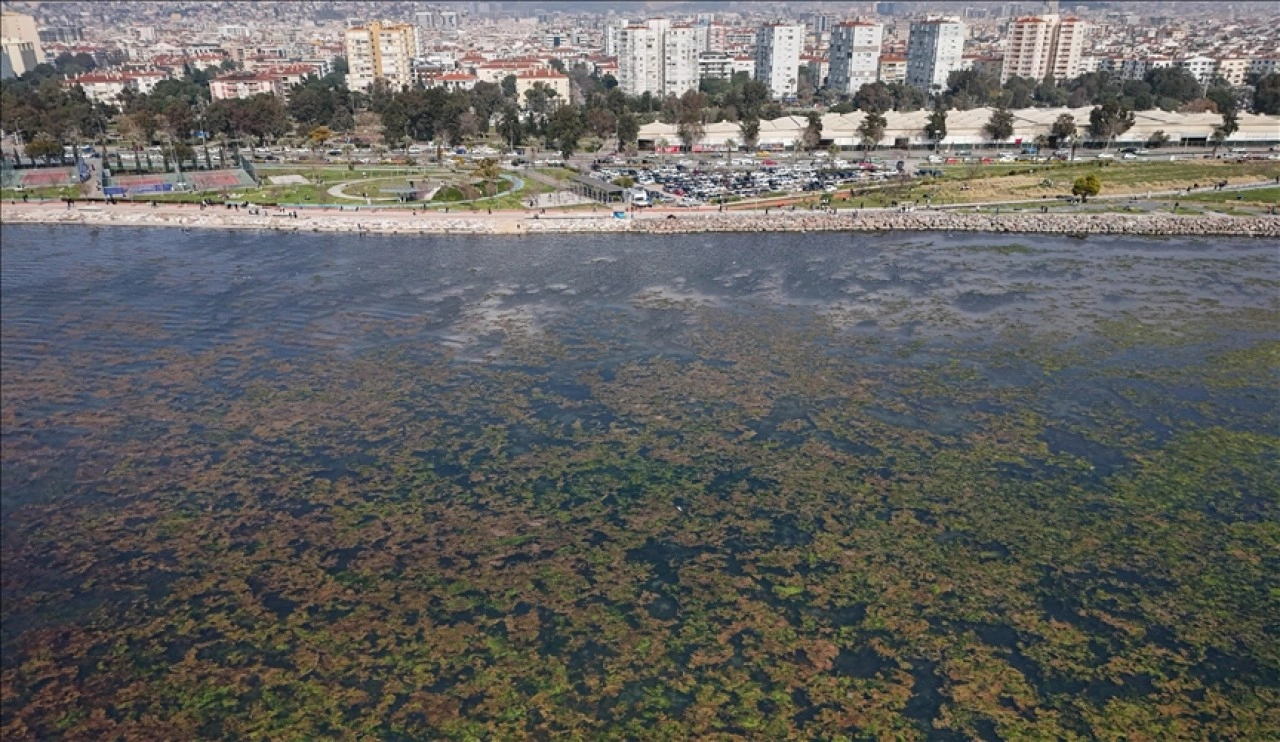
[(995, 183), (1257, 196)]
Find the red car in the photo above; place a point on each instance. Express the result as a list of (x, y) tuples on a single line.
[(770, 163)]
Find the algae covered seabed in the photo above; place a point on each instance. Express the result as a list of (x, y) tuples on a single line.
[(824, 486)]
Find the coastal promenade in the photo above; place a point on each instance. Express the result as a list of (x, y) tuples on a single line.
[(188, 217)]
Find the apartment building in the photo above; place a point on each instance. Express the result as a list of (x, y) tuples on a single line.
[(682, 46), (1040, 46), (238, 85), (22, 27), (935, 49), (854, 55), (778, 47), (549, 79), (17, 57), (658, 58), (106, 87), (380, 50), (1264, 66), (715, 65), (1204, 69), (893, 68), (20, 49), (640, 63), (1233, 69)]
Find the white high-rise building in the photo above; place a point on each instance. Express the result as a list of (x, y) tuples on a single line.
[(683, 44), (778, 47), (659, 58), (935, 49), (854, 57), (1045, 45), (376, 50), (640, 62)]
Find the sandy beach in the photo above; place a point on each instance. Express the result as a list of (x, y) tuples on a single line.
[(189, 216)]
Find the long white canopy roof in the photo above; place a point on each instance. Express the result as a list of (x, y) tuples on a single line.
[(965, 127)]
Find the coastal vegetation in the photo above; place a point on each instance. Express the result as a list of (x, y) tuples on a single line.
[(642, 494)]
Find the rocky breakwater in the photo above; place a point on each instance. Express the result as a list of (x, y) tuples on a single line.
[(1070, 224), (194, 218), (512, 223)]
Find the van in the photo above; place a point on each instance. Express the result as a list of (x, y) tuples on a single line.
[(640, 198)]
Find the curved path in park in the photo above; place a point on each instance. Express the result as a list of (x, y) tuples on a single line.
[(338, 190)]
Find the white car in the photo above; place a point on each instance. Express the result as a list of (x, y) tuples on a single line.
[(1106, 156), (1129, 156), (933, 159)]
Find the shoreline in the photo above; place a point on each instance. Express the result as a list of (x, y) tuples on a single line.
[(683, 222)]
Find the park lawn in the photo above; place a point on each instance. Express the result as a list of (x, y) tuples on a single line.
[(53, 192), (559, 173), (1259, 196), (1118, 178), (516, 200)]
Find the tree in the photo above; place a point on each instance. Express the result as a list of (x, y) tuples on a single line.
[(969, 88), (44, 146), (1266, 96), (488, 171), (624, 181), (1063, 129), (1017, 92), (601, 122), (689, 114), (1000, 126), (1173, 82), (1109, 121), (749, 128), (1230, 125), (812, 135), (872, 128), (1086, 186), (907, 97), (1157, 139), (565, 128), (628, 129), (264, 117), (318, 136), (509, 125), (874, 96), (935, 127), (380, 93), (1223, 96), (1064, 132)]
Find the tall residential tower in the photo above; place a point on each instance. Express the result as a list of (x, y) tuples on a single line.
[(935, 49), (381, 51), (778, 47), (1040, 46), (854, 57)]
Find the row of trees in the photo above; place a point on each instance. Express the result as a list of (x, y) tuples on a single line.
[(37, 103)]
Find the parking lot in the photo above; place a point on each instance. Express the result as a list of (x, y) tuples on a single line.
[(689, 182)]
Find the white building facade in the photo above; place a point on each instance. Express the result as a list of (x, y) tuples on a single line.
[(854, 57), (935, 49), (380, 51), (659, 58), (1040, 46), (640, 62), (682, 45), (778, 47)]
